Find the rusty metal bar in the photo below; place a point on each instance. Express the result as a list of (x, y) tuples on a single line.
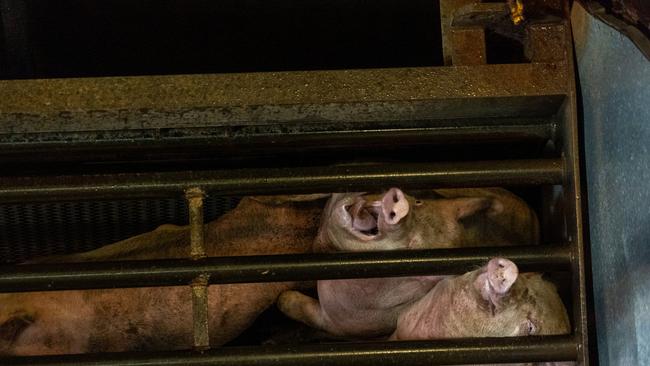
[(199, 286), (438, 352), (275, 268), (284, 180), (194, 198), (200, 312)]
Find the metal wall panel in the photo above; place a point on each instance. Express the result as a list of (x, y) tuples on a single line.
[(615, 83)]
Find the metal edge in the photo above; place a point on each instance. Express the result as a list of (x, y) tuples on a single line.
[(640, 40), (573, 194), (436, 352)]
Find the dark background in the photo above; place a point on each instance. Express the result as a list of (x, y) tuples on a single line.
[(69, 38)]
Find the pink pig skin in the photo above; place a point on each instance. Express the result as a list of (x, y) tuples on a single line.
[(152, 319), (367, 308), (494, 301)]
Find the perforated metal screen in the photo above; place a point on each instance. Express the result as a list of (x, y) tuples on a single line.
[(31, 230)]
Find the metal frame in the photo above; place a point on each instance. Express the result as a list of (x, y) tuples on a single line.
[(32, 109)]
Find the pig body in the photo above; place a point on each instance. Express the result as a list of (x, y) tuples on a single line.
[(160, 318), (455, 218)]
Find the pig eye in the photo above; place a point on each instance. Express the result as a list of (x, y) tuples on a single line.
[(529, 327), (418, 203)]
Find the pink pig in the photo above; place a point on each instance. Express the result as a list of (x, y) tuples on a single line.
[(352, 222), (493, 301)]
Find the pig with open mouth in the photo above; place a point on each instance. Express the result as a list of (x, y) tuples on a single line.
[(369, 308)]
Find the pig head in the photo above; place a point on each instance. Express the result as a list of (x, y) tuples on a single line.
[(354, 222), (493, 301), (160, 318), (450, 218)]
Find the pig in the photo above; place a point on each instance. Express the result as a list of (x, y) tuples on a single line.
[(493, 301), (160, 318), (368, 308)]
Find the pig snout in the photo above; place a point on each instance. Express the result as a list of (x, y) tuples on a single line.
[(501, 274), (394, 206)]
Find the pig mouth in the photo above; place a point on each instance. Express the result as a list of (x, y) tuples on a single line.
[(364, 218)]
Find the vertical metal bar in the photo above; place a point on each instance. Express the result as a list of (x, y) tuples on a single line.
[(200, 312), (194, 198), (199, 286), (573, 197)]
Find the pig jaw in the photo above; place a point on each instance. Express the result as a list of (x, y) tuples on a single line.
[(352, 223)]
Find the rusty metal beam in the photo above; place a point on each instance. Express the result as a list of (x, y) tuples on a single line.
[(199, 285), (91, 104), (425, 353)]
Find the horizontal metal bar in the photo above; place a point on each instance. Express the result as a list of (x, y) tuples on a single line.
[(283, 180), (87, 104), (438, 352), (275, 268), (246, 141)]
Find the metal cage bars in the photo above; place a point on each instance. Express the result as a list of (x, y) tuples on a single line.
[(198, 271)]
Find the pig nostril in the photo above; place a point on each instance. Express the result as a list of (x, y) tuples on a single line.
[(392, 214), (501, 265), (418, 202), (395, 199)]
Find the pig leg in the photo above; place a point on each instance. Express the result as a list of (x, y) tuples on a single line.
[(302, 308)]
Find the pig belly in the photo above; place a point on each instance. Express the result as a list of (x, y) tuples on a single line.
[(127, 319), (369, 307)]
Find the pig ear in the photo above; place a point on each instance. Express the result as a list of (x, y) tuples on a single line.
[(460, 208), (499, 276)]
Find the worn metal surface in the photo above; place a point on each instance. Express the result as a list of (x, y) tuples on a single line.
[(640, 39), (200, 301), (195, 198), (469, 46), (546, 42), (284, 180), (425, 353), (337, 139), (451, 9), (573, 204), (614, 80), (59, 105), (275, 268), (199, 285)]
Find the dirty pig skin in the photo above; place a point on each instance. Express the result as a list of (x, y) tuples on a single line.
[(160, 318), (368, 308), (493, 301), (157, 318)]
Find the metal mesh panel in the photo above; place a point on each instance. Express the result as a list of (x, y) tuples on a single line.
[(31, 230)]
